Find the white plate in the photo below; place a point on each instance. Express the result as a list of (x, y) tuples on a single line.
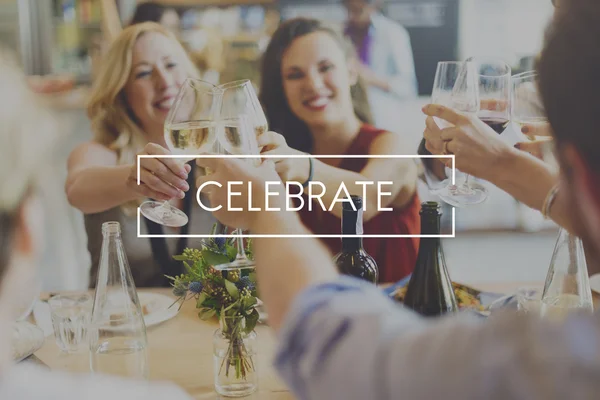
[(156, 308)]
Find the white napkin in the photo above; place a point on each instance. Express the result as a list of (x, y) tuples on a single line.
[(26, 340), (41, 313)]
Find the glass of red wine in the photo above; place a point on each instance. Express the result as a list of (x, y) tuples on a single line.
[(494, 93)]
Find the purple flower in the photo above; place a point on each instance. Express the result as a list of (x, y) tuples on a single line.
[(245, 283), (195, 287), (220, 242)]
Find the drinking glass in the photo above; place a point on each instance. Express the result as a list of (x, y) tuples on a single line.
[(239, 97), (70, 318), (527, 109), (526, 105), (456, 86), (242, 120), (189, 130), (494, 93), (236, 136)]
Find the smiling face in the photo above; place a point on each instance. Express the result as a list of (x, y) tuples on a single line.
[(156, 75), (317, 80)]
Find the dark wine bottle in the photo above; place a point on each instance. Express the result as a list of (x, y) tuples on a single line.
[(353, 259), (430, 291)]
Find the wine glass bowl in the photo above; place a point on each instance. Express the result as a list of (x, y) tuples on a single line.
[(189, 129), (494, 93), (526, 105), (239, 97)]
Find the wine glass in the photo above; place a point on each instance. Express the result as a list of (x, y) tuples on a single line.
[(239, 97), (494, 93), (456, 86), (189, 130), (527, 107), (236, 135), (242, 120)]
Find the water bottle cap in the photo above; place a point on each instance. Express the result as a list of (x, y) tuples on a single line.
[(111, 227)]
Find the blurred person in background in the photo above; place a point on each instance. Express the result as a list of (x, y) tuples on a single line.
[(342, 338), (156, 12), (308, 86), (28, 134), (136, 87), (385, 60)]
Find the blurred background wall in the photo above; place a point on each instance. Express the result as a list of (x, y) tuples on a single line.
[(59, 43)]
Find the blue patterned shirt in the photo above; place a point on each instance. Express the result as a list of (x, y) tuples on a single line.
[(347, 340)]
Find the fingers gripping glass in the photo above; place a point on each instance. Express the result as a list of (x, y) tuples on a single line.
[(189, 130), (456, 86)]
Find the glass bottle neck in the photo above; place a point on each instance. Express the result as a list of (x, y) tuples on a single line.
[(352, 224)]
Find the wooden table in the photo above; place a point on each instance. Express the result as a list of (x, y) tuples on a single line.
[(180, 350)]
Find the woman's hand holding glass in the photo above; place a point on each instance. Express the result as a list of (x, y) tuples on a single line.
[(477, 147), (289, 169), (160, 178)]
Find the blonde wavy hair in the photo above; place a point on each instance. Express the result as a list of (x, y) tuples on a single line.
[(113, 123)]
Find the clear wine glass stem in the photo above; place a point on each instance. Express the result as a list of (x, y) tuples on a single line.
[(467, 183), (241, 253)]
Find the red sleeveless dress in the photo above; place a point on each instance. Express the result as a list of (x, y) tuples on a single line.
[(395, 257)]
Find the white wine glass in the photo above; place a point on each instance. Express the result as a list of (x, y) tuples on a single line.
[(526, 105), (236, 136), (456, 86), (239, 97), (189, 130)]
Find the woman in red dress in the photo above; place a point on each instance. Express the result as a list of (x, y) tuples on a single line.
[(309, 77)]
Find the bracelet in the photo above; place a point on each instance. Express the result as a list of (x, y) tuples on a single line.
[(310, 173), (549, 201)]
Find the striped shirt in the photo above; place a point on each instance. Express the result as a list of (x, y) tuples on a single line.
[(347, 340)]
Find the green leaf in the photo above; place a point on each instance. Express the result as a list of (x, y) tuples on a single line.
[(210, 303), (249, 302), (229, 307), (232, 289), (206, 314), (231, 251), (188, 268), (214, 258), (252, 320), (180, 258), (252, 277), (201, 300)]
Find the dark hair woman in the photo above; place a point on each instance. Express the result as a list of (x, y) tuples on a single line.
[(309, 84)]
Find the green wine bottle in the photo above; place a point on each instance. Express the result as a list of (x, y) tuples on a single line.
[(353, 259), (430, 291)]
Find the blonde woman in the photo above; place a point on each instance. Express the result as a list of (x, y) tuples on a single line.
[(136, 86), (27, 136)]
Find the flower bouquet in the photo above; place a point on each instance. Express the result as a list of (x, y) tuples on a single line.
[(231, 296)]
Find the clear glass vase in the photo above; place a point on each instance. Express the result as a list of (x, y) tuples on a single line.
[(234, 358), (567, 288)]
